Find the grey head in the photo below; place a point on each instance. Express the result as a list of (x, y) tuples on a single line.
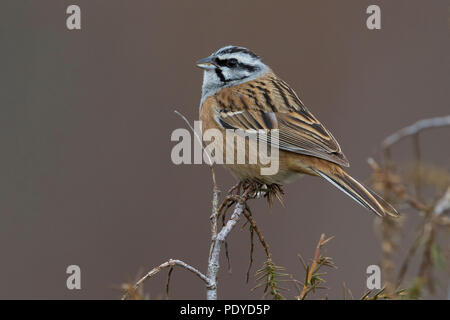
[(227, 67)]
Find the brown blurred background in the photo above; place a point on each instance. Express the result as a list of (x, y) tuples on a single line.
[(86, 118)]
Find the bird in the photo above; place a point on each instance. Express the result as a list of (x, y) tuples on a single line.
[(240, 92)]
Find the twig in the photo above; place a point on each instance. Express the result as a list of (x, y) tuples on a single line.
[(310, 271), (254, 226), (168, 264), (313, 267), (214, 212), (427, 235), (254, 229), (169, 277), (227, 255), (213, 262), (252, 246), (416, 128), (411, 252)]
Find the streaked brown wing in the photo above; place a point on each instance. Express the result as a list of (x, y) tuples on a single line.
[(272, 104)]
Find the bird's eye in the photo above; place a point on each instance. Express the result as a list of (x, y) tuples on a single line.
[(231, 63)]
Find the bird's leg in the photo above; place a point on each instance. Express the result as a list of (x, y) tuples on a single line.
[(245, 188)]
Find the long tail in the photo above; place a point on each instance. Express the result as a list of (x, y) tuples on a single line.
[(355, 190)]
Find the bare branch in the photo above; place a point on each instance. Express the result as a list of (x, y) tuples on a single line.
[(213, 263), (168, 264), (254, 227), (416, 128)]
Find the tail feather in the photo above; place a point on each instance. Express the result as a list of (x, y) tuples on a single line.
[(355, 190)]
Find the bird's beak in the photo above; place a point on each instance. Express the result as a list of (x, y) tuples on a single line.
[(206, 63)]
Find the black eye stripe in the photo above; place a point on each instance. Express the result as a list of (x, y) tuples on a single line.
[(220, 62), (231, 63), (234, 63)]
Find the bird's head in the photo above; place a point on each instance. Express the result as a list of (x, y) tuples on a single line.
[(229, 66)]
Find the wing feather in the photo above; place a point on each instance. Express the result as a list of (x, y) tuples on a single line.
[(269, 103)]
